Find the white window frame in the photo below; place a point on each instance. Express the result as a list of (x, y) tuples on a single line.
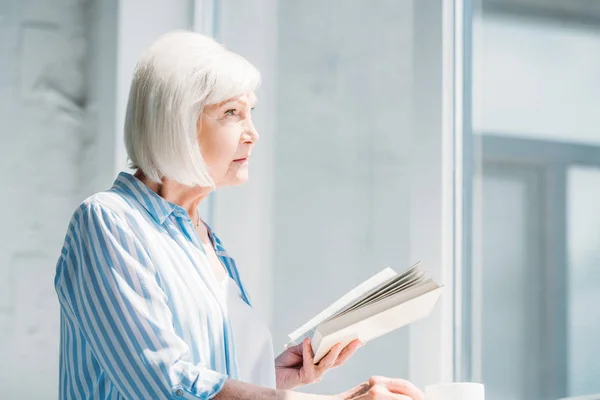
[(204, 17), (436, 190)]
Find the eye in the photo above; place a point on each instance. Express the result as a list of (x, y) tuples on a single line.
[(231, 112)]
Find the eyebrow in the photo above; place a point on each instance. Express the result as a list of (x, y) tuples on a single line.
[(239, 101)]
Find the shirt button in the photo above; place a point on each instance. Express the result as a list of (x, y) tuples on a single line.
[(179, 392)]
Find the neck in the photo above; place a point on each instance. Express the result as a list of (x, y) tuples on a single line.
[(185, 196)]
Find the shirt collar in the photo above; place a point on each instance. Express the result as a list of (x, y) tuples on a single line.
[(159, 208)]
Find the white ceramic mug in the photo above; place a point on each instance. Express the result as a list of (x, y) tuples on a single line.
[(455, 391)]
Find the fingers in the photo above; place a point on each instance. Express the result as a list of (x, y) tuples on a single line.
[(297, 349), (348, 352), (311, 372), (336, 356), (329, 360), (380, 388), (380, 392), (308, 364), (398, 386), (405, 388)]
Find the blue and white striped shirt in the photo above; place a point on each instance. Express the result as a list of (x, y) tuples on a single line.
[(142, 314)]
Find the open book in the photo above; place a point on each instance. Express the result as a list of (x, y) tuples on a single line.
[(381, 304)]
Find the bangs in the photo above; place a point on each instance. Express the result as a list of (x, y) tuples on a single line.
[(233, 77)]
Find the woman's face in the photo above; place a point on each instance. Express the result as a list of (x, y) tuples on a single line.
[(226, 135)]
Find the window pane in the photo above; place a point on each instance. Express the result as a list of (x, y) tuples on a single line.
[(510, 326), (537, 79), (534, 284), (584, 280)]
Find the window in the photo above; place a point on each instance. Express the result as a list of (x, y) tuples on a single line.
[(530, 324)]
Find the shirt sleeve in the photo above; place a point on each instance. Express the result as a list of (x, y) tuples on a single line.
[(108, 286)]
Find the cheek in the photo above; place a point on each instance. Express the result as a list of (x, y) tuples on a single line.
[(219, 148)]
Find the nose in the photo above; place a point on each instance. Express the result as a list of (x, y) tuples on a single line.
[(250, 133)]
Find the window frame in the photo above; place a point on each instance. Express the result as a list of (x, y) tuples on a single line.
[(441, 176)]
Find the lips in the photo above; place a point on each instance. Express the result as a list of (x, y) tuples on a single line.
[(241, 159)]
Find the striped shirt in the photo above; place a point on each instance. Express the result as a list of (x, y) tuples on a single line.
[(142, 314)]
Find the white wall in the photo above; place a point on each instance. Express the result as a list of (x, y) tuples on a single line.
[(243, 216), (65, 68), (341, 171), (42, 103)]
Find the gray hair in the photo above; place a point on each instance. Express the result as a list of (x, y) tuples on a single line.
[(175, 78)]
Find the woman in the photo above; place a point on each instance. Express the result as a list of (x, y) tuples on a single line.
[(152, 306)]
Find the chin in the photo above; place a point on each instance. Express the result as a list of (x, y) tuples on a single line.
[(237, 180), (240, 180)]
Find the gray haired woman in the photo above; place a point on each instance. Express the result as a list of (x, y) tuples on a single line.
[(152, 306)]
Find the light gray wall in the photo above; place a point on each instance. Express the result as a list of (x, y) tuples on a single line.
[(65, 68), (340, 189), (42, 105), (243, 216)]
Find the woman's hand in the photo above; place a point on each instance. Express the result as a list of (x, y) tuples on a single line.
[(295, 366), (379, 387)]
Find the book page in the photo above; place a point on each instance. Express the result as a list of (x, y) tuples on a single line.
[(409, 278), (352, 296), (417, 278), (409, 285)]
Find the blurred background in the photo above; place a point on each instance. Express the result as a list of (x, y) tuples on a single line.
[(465, 134), (536, 265)]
